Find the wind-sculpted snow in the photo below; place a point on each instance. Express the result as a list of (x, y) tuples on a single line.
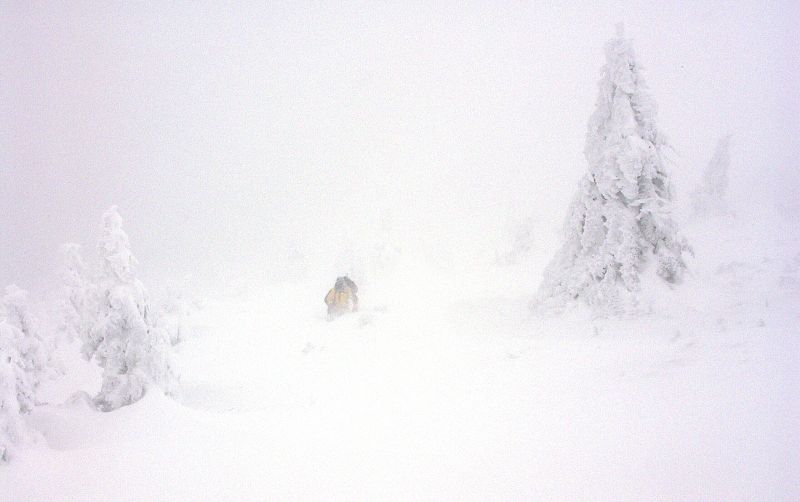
[(443, 388)]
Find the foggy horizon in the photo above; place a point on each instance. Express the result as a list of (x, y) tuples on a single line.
[(235, 139)]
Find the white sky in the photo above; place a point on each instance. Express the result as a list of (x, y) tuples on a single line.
[(231, 136)]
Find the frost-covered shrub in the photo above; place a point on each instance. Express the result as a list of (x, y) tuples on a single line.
[(709, 197), (619, 221), (174, 314), (133, 353)]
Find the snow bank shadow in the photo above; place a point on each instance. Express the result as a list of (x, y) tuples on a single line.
[(66, 427), (212, 397), (236, 398)]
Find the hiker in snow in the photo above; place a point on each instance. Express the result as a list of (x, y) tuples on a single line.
[(342, 297)]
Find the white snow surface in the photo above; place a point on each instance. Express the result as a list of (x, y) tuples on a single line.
[(445, 387), (257, 153)]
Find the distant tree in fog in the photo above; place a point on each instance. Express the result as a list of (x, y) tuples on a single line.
[(78, 306), (709, 197), (522, 239), (620, 220)]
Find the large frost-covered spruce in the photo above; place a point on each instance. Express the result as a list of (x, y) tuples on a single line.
[(619, 222), (22, 364), (133, 353)]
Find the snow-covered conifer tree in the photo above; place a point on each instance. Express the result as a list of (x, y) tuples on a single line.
[(16, 394), (21, 366), (710, 195), (34, 352), (133, 353), (77, 309), (619, 221)]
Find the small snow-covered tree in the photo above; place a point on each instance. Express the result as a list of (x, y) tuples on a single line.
[(22, 363), (619, 221), (133, 353), (78, 306), (35, 353), (709, 197), (16, 394)]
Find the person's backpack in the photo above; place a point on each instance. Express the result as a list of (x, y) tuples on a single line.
[(342, 298)]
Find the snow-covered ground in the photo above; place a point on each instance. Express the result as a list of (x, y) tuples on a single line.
[(430, 150), (444, 387)]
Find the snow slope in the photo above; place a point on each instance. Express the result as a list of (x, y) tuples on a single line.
[(444, 387)]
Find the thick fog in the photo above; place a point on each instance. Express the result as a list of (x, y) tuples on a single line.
[(238, 141)]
